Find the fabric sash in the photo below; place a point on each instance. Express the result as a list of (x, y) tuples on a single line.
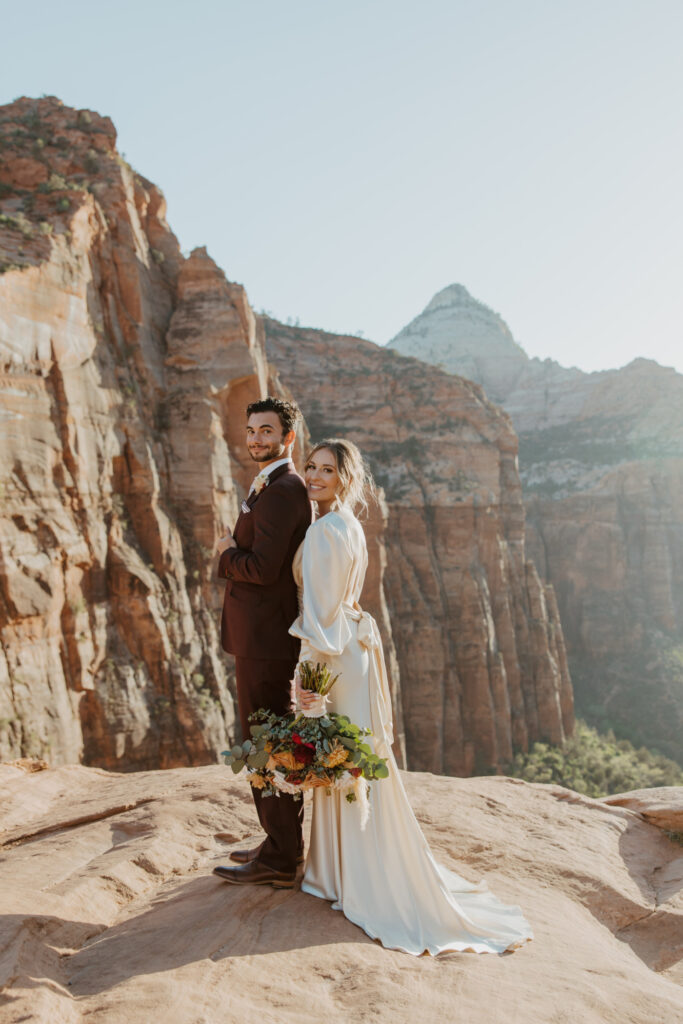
[(380, 695)]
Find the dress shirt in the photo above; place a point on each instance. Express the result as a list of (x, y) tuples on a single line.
[(268, 470)]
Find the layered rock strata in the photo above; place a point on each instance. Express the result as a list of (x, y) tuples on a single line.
[(477, 635), (124, 370), (601, 463)]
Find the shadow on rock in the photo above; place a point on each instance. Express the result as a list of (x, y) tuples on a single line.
[(206, 919)]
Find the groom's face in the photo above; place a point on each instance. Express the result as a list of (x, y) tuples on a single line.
[(266, 440)]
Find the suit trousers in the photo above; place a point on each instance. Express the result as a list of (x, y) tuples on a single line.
[(263, 683)]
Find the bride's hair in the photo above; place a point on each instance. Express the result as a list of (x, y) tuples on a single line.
[(355, 478)]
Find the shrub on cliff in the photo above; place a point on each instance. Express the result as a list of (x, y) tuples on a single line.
[(595, 764)]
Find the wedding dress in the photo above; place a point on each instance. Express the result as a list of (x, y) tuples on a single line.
[(384, 878)]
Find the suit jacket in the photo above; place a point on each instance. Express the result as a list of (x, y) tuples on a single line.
[(260, 601)]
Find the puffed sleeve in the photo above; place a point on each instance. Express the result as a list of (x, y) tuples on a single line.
[(327, 563)]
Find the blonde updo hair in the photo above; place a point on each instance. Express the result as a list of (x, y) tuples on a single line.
[(356, 483)]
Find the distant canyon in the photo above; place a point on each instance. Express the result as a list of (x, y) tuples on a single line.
[(125, 369)]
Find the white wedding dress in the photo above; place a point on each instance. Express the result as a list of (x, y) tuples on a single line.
[(384, 878)]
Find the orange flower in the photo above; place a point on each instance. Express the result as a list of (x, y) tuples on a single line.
[(336, 756), (284, 759), (313, 781)]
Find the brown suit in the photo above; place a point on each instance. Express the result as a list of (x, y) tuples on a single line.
[(259, 607)]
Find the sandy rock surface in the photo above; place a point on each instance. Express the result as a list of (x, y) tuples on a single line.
[(662, 807), (110, 911)]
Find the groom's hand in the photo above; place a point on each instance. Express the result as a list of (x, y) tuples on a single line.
[(225, 542)]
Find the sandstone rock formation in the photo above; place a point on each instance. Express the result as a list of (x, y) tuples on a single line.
[(124, 371), (601, 463), (465, 337), (110, 911), (478, 637), (662, 807)]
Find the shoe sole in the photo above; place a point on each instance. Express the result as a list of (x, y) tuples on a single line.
[(235, 860), (276, 884)]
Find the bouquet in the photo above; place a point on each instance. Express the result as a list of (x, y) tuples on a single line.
[(295, 752)]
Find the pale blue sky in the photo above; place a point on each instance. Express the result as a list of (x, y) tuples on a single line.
[(345, 161)]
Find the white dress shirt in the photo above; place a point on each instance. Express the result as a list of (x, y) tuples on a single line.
[(269, 469)]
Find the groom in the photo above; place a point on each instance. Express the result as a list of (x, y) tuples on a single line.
[(259, 607)]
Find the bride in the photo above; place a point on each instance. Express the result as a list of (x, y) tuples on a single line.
[(384, 877)]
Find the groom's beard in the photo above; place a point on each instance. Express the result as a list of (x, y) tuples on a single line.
[(269, 452)]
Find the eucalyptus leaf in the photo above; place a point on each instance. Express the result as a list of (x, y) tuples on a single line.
[(259, 759), (237, 765)]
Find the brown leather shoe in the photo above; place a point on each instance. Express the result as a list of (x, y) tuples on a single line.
[(254, 873), (245, 856)]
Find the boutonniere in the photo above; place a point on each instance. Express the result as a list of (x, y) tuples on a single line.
[(260, 482)]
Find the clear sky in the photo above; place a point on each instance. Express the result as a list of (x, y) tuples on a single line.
[(346, 160)]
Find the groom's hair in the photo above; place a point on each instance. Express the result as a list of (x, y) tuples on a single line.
[(288, 413)]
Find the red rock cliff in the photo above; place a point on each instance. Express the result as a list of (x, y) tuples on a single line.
[(601, 463), (478, 637), (125, 370)]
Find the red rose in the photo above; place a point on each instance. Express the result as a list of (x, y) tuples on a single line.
[(356, 772), (305, 754), (296, 737)]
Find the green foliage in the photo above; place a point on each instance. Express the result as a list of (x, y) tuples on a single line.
[(206, 699), (597, 441), (56, 183), (595, 764), (638, 694), (91, 162), (308, 741), (17, 223)]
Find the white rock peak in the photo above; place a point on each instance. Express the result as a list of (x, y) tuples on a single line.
[(462, 335)]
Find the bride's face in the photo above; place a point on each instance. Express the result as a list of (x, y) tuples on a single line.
[(321, 476)]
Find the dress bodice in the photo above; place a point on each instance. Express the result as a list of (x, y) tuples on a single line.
[(329, 569)]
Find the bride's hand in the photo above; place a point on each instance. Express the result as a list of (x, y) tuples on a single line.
[(305, 699), (308, 700)]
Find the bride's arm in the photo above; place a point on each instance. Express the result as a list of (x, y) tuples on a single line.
[(326, 566)]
